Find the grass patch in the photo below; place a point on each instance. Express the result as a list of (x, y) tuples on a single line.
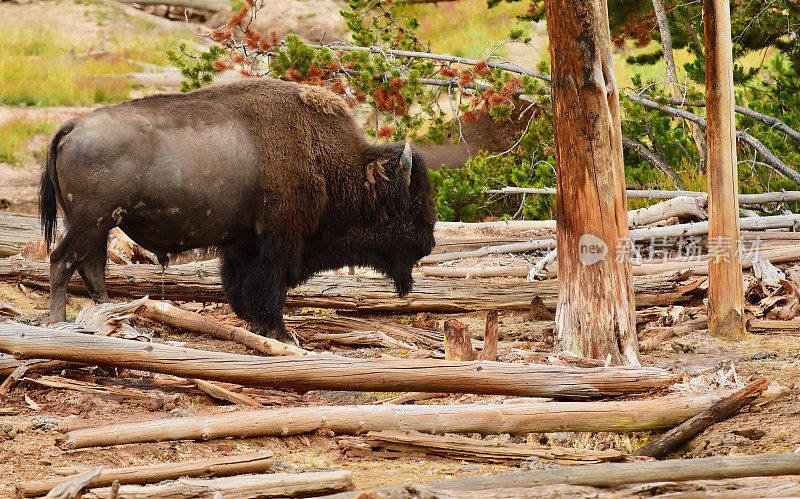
[(15, 137), (467, 28), (41, 68)]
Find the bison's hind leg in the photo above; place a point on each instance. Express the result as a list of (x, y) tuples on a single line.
[(82, 249)]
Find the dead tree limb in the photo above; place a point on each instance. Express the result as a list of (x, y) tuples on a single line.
[(776, 164), (654, 160), (201, 282), (225, 466), (771, 121), (744, 199), (218, 392), (458, 447), (270, 485), (318, 372), (160, 311), (310, 328), (720, 411), (517, 419), (75, 486)]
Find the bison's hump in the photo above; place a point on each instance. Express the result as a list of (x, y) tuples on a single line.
[(323, 100)]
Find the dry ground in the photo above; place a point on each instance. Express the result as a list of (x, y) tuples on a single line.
[(33, 451)]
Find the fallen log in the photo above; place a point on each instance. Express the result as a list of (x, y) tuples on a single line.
[(516, 419), (458, 447), (201, 282), (719, 411), (744, 199), (695, 266), (609, 475), (757, 326), (190, 321), (34, 366), (537, 244), (681, 207), (218, 467), (324, 372), (664, 333), (270, 485), (17, 230)]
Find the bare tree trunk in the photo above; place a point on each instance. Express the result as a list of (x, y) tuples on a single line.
[(672, 78), (595, 315), (725, 287)]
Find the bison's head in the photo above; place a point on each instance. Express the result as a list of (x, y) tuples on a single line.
[(403, 209)]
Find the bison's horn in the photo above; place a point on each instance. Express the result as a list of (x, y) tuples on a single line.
[(405, 163)]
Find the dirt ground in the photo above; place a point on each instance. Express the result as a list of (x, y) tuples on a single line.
[(32, 416)]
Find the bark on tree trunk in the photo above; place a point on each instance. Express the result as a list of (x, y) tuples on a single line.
[(725, 287), (595, 316)]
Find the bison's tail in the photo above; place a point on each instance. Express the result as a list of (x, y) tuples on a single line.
[(48, 190)]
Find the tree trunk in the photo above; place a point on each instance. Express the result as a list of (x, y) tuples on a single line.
[(595, 316), (672, 78), (725, 287)]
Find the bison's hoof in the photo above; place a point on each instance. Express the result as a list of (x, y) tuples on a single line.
[(280, 334)]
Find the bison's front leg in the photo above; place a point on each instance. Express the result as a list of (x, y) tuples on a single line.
[(256, 292)]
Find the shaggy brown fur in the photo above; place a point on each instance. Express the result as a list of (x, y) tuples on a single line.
[(483, 134), (276, 174)]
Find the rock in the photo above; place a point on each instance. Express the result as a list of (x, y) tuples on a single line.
[(751, 433), (763, 354), (180, 412), (7, 431), (469, 468), (44, 423), (663, 364)]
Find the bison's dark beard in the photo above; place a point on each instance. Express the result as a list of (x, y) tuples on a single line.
[(402, 280)]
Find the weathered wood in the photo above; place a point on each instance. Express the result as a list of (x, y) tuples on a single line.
[(324, 372), (517, 419), (190, 321), (774, 326), (82, 386), (74, 487), (225, 466), (218, 392), (744, 199), (17, 230), (271, 485), (682, 207), (309, 328), (694, 265), (665, 333), (34, 366), (719, 411), (524, 247), (595, 315), (457, 341), (612, 474), (201, 282), (459, 447), (725, 285), (489, 351)]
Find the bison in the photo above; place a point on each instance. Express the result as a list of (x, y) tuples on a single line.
[(274, 174)]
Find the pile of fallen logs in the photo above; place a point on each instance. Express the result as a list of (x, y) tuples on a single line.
[(556, 394)]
